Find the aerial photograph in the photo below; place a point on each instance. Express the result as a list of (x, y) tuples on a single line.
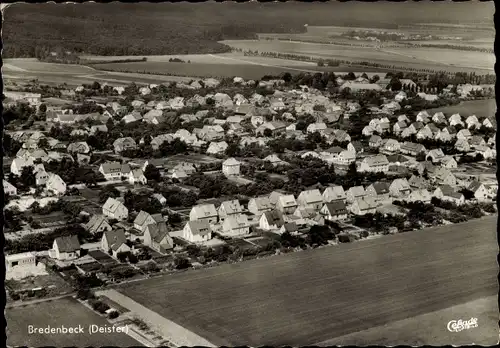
[(249, 174)]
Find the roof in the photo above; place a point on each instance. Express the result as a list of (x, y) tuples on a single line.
[(199, 227), (402, 183), (287, 201), (365, 203), (158, 231), (112, 204), (274, 217), (231, 162), (204, 210), (448, 191), (262, 202), (377, 160), (234, 222), (290, 227), (67, 243), (381, 187), (141, 217), (337, 207), (232, 207), (95, 221), (311, 196), (336, 192), (115, 238), (474, 186), (357, 191), (375, 139)]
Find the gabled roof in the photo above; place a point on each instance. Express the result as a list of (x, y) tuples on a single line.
[(231, 162), (380, 188), (357, 191), (287, 201), (336, 192), (232, 207), (112, 205), (274, 217), (234, 222), (158, 232), (337, 207), (95, 221), (67, 243), (311, 196), (474, 186), (204, 210), (142, 217), (262, 202), (115, 238), (199, 227)]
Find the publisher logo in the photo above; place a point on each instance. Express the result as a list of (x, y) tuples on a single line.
[(460, 325)]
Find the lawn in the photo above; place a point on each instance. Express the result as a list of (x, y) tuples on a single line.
[(102, 257), (480, 108), (66, 311), (312, 296)]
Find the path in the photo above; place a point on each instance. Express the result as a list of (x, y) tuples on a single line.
[(26, 303), (168, 329)]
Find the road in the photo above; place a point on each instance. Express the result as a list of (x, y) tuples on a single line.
[(313, 296)]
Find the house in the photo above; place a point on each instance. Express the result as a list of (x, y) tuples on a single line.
[(286, 204), (378, 190), (345, 158), (354, 193), (455, 119), (374, 164), (449, 162), (275, 160), (310, 198), (447, 193), (135, 116), (124, 144), (98, 128), (481, 193), (144, 219), (157, 237), (231, 167), (274, 126), (304, 213), (419, 195), (114, 242), (472, 121), (462, 145), (418, 182), (435, 155), (65, 248), (217, 148), (363, 206), (464, 134), (412, 149), (236, 225), (18, 164), (399, 188), (399, 127), (271, 220), (114, 170), (289, 227), (355, 147), (334, 193), (229, 208), (443, 176), (115, 209), (375, 141), (205, 212), (55, 185), (368, 130), (186, 167), (136, 176), (98, 223), (485, 151), (425, 133), (316, 127), (423, 116), (383, 127), (197, 231), (439, 118), (259, 205), (490, 122), (9, 189), (443, 136), (476, 141), (334, 211), (390, 146), (160, 198), (79, 147), (22, 265)]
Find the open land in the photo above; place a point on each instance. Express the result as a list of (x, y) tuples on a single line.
[(66, 311), (480, 108), (348, 288), (413, 333)]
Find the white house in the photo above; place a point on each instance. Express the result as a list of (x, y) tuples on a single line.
[(18, 164), (197, 231), (115, 241), (65, 248), (354, 193), (363, 206), (310, 199), (157, 237), (286, 204), (98, 223), (236, 225), (399, 188), (206, 212), (144, 219), (229, 208), (374, 164), (334, 193), (259, 205), (480, 191), (55, 185), (334, 211), (136, 176), (115, 209), (231, 167), (271, 220), (9, 189), (217, 148)]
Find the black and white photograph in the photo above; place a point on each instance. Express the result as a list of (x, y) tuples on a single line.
[(254, 174)]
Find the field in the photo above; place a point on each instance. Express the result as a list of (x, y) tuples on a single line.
[(413, 333), (313, 296), (480, 108), (66, 311), (419, 58)]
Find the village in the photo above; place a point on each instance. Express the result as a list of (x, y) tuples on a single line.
[(108, 184)]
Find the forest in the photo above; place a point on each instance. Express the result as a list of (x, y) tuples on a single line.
[(184, 28)]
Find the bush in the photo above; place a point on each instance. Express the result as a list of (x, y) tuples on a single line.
[(344, 238), (15, 296), (113, 315)]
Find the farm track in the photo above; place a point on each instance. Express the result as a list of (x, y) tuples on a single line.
[(312, 296)]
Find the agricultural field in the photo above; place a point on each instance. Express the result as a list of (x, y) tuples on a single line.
[(66, 311), (32, 65), (419, 58), (316, 295), (413, 333), (480, 108)]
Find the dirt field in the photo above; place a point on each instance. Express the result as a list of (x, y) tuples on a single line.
[(312, 296), (411, 332), (480, 108), (66, 311)]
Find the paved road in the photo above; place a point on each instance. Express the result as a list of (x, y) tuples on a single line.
[(312, 296)]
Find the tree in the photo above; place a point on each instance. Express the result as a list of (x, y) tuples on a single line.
[(420, 156), (181, 263), (268, 132), (43, 143), (233, 150), (152, 173)]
